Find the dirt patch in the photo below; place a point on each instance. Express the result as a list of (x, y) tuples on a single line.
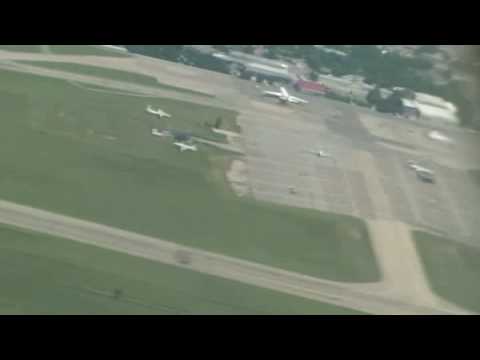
[(237, 176)]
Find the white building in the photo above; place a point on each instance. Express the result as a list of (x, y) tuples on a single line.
[(432, 112), (431, 107)]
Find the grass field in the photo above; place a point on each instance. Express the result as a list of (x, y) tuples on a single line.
[(53, 155), (85, 50), (112, 74), (45, 275), (453, 269), (22, 48)]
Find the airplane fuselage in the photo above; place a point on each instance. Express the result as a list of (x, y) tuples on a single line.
[(159, 112), (284, 97), (185, 147)]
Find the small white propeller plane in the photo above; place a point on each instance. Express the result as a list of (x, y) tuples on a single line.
[(436, 135), (413, 165), (184, 147), (284, 97), (319, 153), (159, 112), (164, 133)]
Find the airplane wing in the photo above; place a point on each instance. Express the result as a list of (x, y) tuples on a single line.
[(284, 91)]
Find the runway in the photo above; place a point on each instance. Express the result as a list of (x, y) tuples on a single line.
[(369, 297)]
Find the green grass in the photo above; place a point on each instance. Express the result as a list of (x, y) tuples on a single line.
[(40, 274), (51, 159), (85, 50), (453, 269), (112, 74), (21, 48)]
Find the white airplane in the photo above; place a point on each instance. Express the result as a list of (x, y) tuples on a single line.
[(155, 132), (413, 165), (436, 135), (226, 132), (184, 147), (285, 97), (158, 112), (319, 153)]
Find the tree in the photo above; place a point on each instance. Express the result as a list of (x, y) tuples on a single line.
[(374, 96), (406, 94), (393, 104), (313, 76), (171, 52), (168, 52)]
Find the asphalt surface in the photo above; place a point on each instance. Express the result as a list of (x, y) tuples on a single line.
[(276, 137)]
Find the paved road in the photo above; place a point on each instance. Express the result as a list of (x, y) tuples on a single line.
[(341, 294)]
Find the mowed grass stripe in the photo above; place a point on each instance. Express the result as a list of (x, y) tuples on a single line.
[(40, 274)]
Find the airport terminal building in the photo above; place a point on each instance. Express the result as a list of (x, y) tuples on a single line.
[(431, 108), (261, 72)]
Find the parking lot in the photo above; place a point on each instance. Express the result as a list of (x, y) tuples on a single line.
[(363, 178)]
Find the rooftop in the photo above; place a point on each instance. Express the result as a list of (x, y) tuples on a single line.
[(428, 99), (267, 69), (432, 111), (258, 59)]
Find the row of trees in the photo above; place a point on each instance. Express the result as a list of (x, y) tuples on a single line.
[(392, 104), (167, 52)]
